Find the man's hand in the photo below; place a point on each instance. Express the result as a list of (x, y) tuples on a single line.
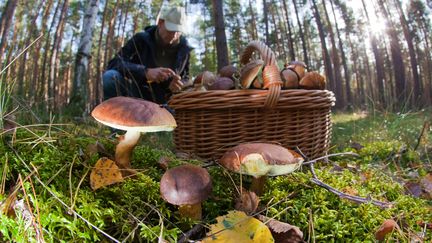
[(159, 74), (176, 84)]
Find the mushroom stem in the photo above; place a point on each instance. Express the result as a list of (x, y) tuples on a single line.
[(124, 148), (257, 185), (192, 211)]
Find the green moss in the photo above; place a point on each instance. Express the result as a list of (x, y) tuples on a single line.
[(134, 211)]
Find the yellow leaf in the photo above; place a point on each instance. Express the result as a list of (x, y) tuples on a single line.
[(238, 227), (105, 173)]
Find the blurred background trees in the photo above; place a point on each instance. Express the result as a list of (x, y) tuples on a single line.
[(374, 53)]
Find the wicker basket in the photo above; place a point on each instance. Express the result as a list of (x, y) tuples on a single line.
[(210, 122)]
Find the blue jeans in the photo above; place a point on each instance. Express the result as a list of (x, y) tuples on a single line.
[(114, 84)]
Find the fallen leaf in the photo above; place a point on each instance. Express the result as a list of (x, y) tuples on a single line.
[(426, 183), (104, 173), (413, 188), (282, 232), (238, 227), (388, 226), (247, 202), (350, 190)]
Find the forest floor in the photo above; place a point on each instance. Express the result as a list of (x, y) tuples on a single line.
[(45, 192)]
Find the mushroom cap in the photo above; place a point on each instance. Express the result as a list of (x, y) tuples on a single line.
[(261, 159), (313, 80), (249, 72), (128, 113), (222, 83), (228, 71), (185, 184)]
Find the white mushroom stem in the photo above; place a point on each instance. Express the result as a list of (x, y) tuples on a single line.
[(125, 147), (192, 211)]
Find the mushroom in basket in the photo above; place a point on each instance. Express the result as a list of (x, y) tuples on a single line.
[(292, 74), (249, 72), (313, 80)]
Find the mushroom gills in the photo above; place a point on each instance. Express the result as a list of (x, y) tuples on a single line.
[(255, 165)]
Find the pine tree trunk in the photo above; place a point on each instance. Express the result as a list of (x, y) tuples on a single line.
[(379, 63), (301, 34), (289, 32), (5, 23), (397, 60), (54, 60), (413, 59), (336, 64), (347, 75), (326, 56), (221, 42), (99, 64)]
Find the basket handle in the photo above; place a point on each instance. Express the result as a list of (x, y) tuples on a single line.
[(271, 76)]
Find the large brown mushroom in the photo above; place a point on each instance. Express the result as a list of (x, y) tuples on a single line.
[(135, 116), (186, 186), (260, 160)]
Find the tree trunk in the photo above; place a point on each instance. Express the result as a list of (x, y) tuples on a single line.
[(110, 35), (253, 20), (379, 63), (301, 34), (347, 75), (58, 36), (325, 54), (83, 57), (413, 59), (221, 42), (336, 63), (99, 64), (5, 23), (397, 60), (289, 33)]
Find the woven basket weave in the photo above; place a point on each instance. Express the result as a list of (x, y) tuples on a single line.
[(210, 122)]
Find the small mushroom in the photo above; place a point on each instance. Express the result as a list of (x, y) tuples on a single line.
[(186, 186), (208, 79), (228, 71), (312, 80), (134, 116), (222, 83), (299, 67), (292, 74), (249, 72), (260, 160)]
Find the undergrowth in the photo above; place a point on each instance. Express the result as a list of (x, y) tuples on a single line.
[(56, 192)]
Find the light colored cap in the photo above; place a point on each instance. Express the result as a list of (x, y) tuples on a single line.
[(175, 19), (261, 159), (128, 113), (185, 185)]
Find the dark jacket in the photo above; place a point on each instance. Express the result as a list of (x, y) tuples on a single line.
[(139, 53)]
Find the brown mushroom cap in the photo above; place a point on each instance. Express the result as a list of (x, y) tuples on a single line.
[(186, 184), (249, 72), (260, 159), (222, 83), (227, 71), (128, 113)]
